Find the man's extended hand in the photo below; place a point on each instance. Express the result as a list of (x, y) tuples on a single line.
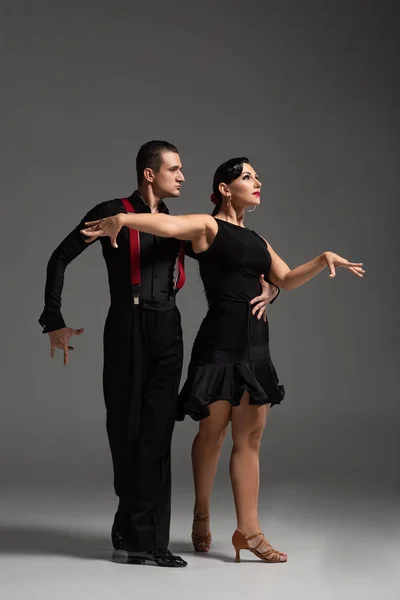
[(268, 293), (60, 339)]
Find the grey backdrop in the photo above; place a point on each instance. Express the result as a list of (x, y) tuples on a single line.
[(310, 91)]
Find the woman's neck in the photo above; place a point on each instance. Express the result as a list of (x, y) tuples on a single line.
[(231, 216)]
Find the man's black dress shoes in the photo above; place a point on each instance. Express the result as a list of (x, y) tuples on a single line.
[(161, 558)]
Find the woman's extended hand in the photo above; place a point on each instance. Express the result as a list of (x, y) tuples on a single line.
[(109, 226), (334, 261)]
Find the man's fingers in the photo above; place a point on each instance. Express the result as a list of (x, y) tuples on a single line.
[(114, 242), (52, 352), (332, 270), (66, 354)]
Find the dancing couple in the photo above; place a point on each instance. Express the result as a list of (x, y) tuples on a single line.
[(231, 378)]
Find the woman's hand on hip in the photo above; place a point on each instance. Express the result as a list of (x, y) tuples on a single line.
[(260, 303)]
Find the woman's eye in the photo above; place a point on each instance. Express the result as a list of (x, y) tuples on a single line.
[(246, 177)]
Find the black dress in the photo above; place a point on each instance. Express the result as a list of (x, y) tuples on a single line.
[(231, 351)]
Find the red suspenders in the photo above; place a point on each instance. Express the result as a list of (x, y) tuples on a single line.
[(134, 250)]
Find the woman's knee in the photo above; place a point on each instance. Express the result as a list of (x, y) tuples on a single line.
[(213, 435), (250, 438)]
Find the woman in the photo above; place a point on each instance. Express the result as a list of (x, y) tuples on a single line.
[(231, 378)]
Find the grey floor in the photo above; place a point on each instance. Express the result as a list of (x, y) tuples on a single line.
[(54, 543)]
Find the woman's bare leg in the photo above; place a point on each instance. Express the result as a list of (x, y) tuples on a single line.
[(248, 423), (206, 451)]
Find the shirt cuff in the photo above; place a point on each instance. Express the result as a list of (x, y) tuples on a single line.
[(50, 321)]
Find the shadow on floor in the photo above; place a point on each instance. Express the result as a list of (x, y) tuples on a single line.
[(186, 547), (42, 540), (50, 541)]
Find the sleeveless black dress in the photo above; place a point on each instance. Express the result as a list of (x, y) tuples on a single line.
[(231, 351)]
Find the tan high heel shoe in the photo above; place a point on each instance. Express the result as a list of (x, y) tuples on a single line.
[(240, 542), (201, 543)]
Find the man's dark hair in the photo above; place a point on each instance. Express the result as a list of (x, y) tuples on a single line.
[(150, 157)]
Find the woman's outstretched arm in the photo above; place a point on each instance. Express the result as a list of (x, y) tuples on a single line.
[(289, 279), (185, 227)]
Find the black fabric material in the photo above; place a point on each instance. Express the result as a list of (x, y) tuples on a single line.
[(157, 261), (142, 368), (231, 351)]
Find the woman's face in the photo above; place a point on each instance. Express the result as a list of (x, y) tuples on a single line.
[(245, 190)]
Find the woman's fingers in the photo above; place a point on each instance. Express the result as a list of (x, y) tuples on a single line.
[(256, 299), (258, 307), (92, 222), (346, 263), (90, 232), (357, 271), (352, 264), (355, 268), (261, 312), (331, 269)]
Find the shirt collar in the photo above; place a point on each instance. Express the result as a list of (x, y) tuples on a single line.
[(140, 205)]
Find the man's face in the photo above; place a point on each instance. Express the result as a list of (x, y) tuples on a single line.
[(167, 181)]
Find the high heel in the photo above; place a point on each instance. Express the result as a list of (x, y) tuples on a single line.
[(240, 542), (201, 543)]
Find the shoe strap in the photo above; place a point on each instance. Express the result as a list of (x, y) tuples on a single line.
[(251, 537), (197, 518)]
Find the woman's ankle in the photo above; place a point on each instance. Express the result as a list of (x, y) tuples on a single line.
[(248, 527), (201, 512)]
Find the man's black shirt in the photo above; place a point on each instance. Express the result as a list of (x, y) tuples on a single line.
[(157, 260)]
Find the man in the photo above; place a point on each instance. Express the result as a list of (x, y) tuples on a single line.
[(142, 353), (142, 356)]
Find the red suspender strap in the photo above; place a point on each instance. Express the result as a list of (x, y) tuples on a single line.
[(134, 248), (181, 276)]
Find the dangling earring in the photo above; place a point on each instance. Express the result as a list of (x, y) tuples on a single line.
[(252, 210), (228, 202)]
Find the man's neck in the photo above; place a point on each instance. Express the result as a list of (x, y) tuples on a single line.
[(152, 201)]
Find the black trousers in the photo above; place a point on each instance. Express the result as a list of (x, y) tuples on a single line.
[(142, 368)]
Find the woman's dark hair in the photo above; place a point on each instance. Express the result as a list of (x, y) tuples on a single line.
[(226, 173), (150, 156)]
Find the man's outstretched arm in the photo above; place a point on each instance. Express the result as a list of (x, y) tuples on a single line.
[(51, 318)]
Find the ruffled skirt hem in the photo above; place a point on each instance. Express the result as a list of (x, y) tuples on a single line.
[(209, 382)]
